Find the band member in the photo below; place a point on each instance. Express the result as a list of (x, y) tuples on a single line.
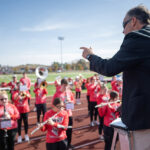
[(8, 129), (40, 99), (109, 112), (13, 85), (103, 97), (26, 82), (88, 82), (118, 87), (78, 89), (66, 95), (94, 87), (57, 83), (56, 138), (20, 99)]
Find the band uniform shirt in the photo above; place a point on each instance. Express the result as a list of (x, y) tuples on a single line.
[(55, 134), (40, 95), (13, 112)]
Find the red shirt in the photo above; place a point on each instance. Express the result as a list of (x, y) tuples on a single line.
[(55, 134), (26, 81), (12, 85), (57, 85), (78, 86), (87, 87), (109, 113), (93, 91), (102, 98), (40, 95), (63, 96), (113, 84), (13, 112), (21, 104)]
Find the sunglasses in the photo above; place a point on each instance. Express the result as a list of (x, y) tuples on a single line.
[(126, 22), (2, 99)]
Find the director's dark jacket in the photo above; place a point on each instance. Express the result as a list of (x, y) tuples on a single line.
[(133, 59)]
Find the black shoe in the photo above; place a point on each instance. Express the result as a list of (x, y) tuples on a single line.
[(70, 147)]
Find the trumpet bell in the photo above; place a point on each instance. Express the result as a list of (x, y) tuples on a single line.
[(41, 72)]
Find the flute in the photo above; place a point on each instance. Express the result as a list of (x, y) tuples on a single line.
[(104, 104), (45, 122)]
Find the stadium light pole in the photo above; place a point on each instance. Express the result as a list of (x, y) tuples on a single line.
[(60, 38)]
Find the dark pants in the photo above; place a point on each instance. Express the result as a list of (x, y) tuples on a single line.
[(93, 111), (88, 101), (100, 127), (61, 145), (7, 143), (40, 108), (69, 131), (24, 117), (108, 136), (78, 94)]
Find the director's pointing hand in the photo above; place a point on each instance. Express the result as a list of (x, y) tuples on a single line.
[(86, 51)]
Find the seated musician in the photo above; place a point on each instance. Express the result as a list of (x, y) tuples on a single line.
[(109, 112), (56, 138), (8, 122)]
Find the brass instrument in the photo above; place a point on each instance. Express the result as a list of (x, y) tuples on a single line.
[(108, 103), (23, 94), (42, 73), (43, 84)]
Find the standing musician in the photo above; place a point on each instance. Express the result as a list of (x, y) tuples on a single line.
[(66, 95), (40, 98), (88, 82), (13, 85), (27, 83), (57, 83), (20, 99), (56, 138), (78, 89), (8, 129), (109, 112), (102, 97), (94, 87)]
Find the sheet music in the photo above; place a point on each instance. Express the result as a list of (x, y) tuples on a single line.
[(118, 123)]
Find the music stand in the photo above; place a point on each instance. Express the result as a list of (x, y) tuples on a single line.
[(122, 131)]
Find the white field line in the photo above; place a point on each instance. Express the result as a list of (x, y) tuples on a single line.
[(76, 147), (86, 144)]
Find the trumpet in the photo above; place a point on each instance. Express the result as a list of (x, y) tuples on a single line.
[(23, 94), (43, 84), (45, 122), (104, 104)]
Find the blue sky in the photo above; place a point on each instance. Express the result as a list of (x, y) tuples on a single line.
[(29, 29)]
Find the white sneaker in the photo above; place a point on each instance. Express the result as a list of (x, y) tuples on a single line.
[(19, 139), (92, 124), (96, 122), (26, 138), (34, 109), (101, 137)]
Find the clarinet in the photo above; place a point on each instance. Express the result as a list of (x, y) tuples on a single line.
[(5, 134)]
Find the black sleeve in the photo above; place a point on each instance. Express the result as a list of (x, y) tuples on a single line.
[(131, 53)]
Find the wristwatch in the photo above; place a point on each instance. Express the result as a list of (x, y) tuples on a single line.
[(88, 56)]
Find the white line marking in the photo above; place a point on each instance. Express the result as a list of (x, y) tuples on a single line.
[(86, 144)]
